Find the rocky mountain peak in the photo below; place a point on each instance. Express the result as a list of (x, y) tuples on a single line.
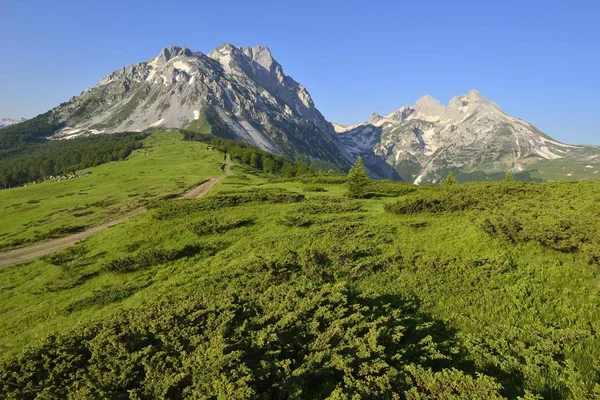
[(261, 55), (171, 52), (428, 105), (400, 114), (375, 118), (475, 96)]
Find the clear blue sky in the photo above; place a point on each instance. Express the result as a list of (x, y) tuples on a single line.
[(538, 60)]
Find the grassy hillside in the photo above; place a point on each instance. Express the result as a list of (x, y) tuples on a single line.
[(162, 168), (285, 288)]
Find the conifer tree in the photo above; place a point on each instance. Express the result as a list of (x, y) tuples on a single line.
[(358, 179), (450, 180)]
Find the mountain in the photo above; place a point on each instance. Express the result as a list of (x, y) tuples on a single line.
[(241, 91), (471, 136), (6, 122)]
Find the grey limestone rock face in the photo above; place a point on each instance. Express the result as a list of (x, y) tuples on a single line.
[(245, 85), (425, 140)]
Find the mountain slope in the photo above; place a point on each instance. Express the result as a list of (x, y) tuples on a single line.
[(242, 93), (6, 122), (471, 136), (244, 87)]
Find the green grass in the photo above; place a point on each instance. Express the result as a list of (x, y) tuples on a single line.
[(566, 170), (163, 167), (325, 296), (199, 125)]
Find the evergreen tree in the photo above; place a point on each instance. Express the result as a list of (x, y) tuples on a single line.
[(509, 177), (358, 179), (450, 180)]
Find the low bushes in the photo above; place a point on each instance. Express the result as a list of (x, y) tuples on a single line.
[(217, 224), (314, 188), (177, 209), (66, 257), (434, 202), (295, 220), (107, 295), (325, 206), (149, 258), (564, 230)]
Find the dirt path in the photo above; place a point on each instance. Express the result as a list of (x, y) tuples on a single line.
[(38, 250), (206, 186)]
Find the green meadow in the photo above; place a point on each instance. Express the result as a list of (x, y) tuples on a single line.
[(162, 168), (272, 287)]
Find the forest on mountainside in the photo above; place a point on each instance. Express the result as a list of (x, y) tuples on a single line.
[(39, 161)]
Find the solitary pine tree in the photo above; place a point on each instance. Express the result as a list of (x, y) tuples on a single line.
[(509, 177), (358, 179), (450, 180)]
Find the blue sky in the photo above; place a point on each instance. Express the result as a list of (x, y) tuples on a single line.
[(538, 60)]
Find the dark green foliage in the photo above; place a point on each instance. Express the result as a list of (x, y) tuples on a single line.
[(59, 157), (295, 220), (358, 180), (106, 295), (148, 258), (67, 257), (314, 189), (326, 206), (257, 159), (557, 215), (276, 341), (377, 188), (564, 230), (58, 232), (26, 135), (177, 209), (450, 180), (217, 224), (433, 201)]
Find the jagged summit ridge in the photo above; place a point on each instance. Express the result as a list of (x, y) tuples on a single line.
[(246, 87), (247, 92), (425, 140)]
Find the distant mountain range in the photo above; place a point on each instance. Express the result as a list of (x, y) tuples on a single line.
[(471, 136), (244, 94), (6, 122)]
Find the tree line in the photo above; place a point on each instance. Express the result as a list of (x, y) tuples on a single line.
[(258, 159), (62, 156)]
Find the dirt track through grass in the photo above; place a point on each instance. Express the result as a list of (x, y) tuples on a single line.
[(38, 250)]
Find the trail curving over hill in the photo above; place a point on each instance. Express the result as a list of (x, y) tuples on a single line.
[(41, 249)]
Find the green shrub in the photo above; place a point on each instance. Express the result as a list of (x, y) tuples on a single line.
[(67, 257), (433, 202), (217, 224), (313, 188), (106, 295), (178, 209), (148, 258), (295, 220), (326, 207)]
